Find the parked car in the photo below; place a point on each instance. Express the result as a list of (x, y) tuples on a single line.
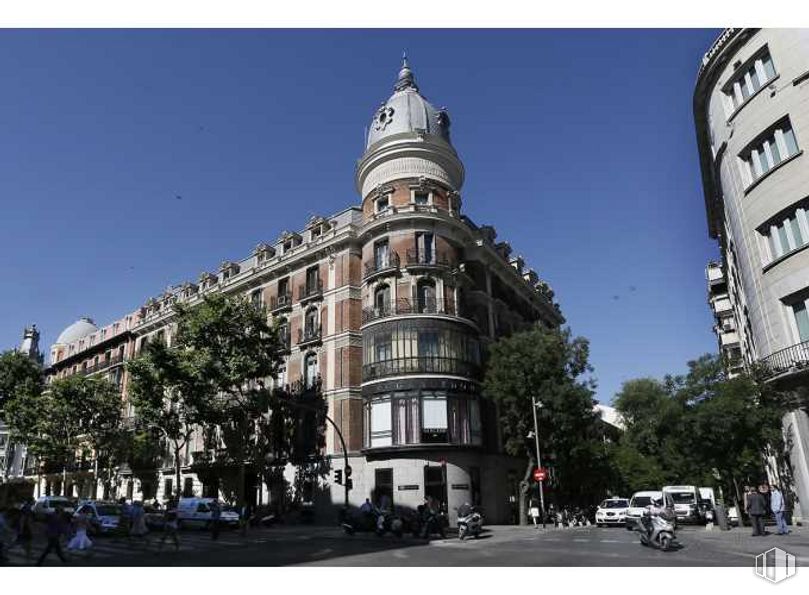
[(686, 503), (155, 517), (612, 511), (46, 505), (104, 516), (196, 512)]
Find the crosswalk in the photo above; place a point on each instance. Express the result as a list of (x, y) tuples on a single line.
[(108, 549)]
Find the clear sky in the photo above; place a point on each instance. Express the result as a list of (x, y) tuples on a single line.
[(579, 147)]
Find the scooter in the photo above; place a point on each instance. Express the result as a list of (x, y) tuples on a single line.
[(470, 524), (657, 532)]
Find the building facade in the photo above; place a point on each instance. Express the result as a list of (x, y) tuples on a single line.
[(751, 107), (389, 307)]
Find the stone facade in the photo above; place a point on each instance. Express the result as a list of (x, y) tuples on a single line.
[(751, 107)]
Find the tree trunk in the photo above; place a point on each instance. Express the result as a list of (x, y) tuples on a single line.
[(525, 486), (177, 473)]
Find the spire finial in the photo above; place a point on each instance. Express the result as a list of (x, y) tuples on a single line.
[(406, 79)]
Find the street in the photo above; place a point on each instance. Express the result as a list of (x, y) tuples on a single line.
[(499, 546)]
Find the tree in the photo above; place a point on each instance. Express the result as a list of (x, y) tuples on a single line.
[(234, 351), (18, 375), (549, 365), (169, 398)]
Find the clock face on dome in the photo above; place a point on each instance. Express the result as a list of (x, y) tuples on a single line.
[(383, 117)]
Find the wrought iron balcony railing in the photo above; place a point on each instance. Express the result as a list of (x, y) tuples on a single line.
[(387, 264), (281, 301), (420, 365), (311, 290), (309, 334), (792, 359), (102, 365), (416, 258), (404, 306)]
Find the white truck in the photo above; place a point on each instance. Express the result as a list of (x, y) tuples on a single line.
[(686, 503)]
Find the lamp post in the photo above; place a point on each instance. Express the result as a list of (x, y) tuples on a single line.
[(534, 404)]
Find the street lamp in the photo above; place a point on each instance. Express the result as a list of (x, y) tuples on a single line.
[(536, 403)]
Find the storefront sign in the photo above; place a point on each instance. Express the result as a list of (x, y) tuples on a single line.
[(460, 486), (403, 488)]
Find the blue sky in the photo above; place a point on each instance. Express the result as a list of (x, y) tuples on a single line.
[(579, 147)]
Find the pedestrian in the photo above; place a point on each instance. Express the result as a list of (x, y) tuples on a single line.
[(778, 509), (170, 527), (757, 509), (4, 528), (138, 521), (55, 528), (125, 522), (80, 541), (216, 514), (25, 528)]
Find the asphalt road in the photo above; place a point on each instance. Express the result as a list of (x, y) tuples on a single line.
[(499, 546)]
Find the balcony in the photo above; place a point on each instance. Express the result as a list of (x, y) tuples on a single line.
[(309, 335), (787, 361), (417, 260), (728, 337), (721, 305), (281, 302), (382, 265), (312, 290), (419, 365), (285, 340), (102, 365), (714, 273), (405, 306)]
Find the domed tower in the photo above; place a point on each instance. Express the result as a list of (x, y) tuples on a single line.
[(421, 354)]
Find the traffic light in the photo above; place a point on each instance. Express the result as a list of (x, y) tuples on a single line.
[(338, 476), (349, 483), (348, 471)]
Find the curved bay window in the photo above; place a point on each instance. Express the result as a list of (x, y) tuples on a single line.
[(419, 347), (422, 417)]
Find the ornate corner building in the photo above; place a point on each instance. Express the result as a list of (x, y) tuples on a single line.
[(388, 306), (751, 107)]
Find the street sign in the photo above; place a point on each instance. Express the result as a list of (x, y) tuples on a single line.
[(540, 474)]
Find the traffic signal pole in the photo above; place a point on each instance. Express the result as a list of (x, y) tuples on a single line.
[(539, 462)]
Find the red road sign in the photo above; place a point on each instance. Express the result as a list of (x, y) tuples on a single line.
[(540, 474)]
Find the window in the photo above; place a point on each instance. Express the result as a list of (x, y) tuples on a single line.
[(281, 378), (283, 286), (382, 254), (384, 347), (421, 197), (382, 299), (425, 296), (425, 253), (381, 430), (801, 314), (382, 203), (311, 328), (311, 370), (786, 233), (434, 416), (256, 298), (312, 277), (188, 488), (769, 150), (750, 77)]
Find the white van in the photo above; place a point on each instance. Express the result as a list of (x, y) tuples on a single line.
[(686, 503), (639, 502), (196, 512)]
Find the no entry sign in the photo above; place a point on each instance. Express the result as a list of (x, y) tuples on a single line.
[(540, 474)]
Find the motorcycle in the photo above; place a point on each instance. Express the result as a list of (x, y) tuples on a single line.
[(657, 532), (470, 523)]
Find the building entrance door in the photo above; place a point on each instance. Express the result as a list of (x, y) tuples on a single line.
[(435, 484)]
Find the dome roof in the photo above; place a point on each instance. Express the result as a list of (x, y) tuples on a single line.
[(78, 330), (407, 111)]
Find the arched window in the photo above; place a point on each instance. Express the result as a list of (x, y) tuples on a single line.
[(382, 300), (425, 296), (310, 370)]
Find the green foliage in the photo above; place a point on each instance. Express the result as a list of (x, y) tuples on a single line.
[(19, 375), (549, 366)]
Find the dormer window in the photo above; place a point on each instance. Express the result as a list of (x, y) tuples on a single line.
[(317, 232), (382, 203)]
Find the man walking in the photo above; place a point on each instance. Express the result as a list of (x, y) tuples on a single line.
[(56, 527), (757, 509), (778, 509), (216, 514)]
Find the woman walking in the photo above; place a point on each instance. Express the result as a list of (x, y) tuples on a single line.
[(80, 541), (25, 530), (170, 528)]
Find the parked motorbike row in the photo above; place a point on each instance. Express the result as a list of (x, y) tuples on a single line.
[(422, 523)]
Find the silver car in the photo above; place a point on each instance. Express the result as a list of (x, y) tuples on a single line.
[(46, 505), (104, 516)]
